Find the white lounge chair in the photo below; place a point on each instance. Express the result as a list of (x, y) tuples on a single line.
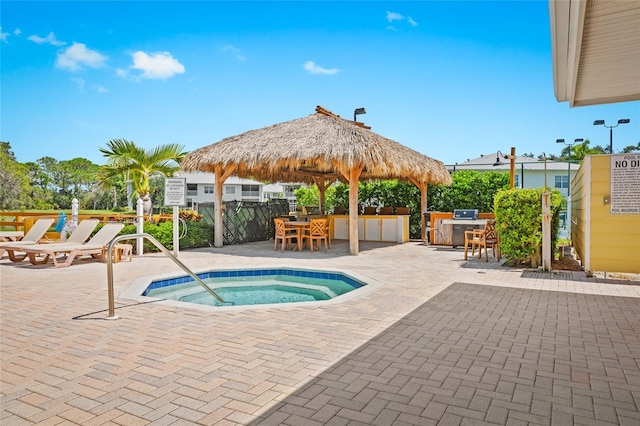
[(94, 247), (35, 233), (78, 236)]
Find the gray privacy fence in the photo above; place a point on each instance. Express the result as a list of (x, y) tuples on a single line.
[(246, 221)]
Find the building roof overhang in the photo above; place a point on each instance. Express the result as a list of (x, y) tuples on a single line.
[(595, 50)]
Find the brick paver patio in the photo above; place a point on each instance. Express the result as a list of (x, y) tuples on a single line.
[(434, 340)]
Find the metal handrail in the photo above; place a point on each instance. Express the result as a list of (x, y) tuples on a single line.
[(162, 248)]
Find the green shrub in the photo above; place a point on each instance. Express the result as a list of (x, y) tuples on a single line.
[(519, 223), (199, 234)]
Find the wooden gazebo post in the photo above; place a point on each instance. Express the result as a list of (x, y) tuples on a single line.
[(322, 185), (353, 174), (423, 206)]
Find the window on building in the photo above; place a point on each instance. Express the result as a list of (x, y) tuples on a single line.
[(192, 189), (252, 191), (562, 182), (230, 190), (289, 190), (516, 181), (209, 189)]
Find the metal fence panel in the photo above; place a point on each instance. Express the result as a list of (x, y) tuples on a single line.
[(246, 221)]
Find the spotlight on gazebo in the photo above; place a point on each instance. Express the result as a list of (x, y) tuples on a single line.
[(358, 111)]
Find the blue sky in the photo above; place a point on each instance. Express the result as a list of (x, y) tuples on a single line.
[(450, 79)]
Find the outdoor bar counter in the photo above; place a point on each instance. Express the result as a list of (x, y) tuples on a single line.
[(387, 228)]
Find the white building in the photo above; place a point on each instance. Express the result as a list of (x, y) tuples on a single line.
[(201, 189), (281, 190), (529, 172)]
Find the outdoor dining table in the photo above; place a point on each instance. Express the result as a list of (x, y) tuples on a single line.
[(300, 227), (11, 235)]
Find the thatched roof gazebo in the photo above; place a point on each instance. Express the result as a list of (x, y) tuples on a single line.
[(319, 148)]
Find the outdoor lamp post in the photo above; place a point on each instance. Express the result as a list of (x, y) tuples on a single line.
[(570, 144), (601, 123), (544, 157), (512, 168), (358, 111)]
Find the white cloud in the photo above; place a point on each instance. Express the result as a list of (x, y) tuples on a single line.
[(156, 66), (395, 16), (312, 68), (17, 32), (234, 51), (77, 56), (101, 89), (49, 39), (3, 36), (79, 82)]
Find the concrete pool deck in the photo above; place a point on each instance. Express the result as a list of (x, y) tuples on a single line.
[(440, 340)]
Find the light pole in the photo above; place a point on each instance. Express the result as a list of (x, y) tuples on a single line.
[(544, 157), (358, 111), (570, 144), (601, 123), (512, 165)]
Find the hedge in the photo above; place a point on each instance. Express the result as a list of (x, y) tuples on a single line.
[(519, 223)]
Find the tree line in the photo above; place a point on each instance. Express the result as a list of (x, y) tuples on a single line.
[(130, 172)]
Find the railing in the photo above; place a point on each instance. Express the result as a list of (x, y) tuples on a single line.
[(112, 314)]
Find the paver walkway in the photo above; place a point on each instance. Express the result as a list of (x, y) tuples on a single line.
[(434, 340)]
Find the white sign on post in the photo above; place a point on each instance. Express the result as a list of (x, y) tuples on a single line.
[(175, 192)]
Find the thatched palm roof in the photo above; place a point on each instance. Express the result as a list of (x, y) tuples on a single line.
[(318, 144), (318, 148)]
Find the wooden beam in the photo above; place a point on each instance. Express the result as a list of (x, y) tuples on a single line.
[(312, 173), (344, 172), (322, 185), (512, 167)]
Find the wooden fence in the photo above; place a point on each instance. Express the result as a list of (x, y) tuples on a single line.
[(23, 221)]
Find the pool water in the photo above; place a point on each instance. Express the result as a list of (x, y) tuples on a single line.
[(255, 287)]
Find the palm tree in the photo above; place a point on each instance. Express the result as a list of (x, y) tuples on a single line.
[(580, 150), (127, 159)]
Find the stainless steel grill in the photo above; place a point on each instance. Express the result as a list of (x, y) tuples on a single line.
[(461, 215), (468, 214)]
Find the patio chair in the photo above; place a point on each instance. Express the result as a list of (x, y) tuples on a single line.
[(34, 235), (317, 232), (283, 234), (483, 238), (94, 247), (78, 236)]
